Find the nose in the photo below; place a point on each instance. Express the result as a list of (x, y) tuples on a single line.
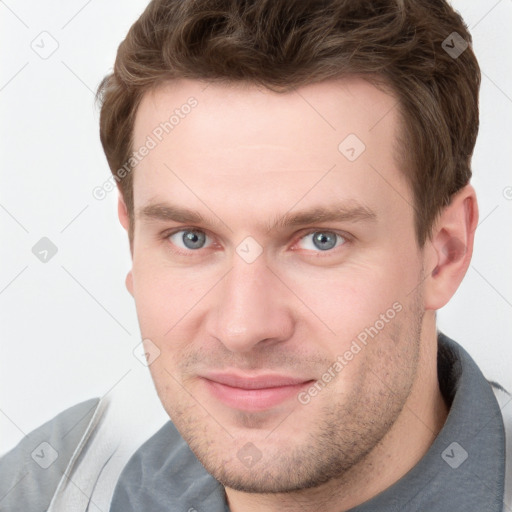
[(251, 308)]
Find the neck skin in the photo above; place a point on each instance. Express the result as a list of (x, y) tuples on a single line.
[(421, 419)]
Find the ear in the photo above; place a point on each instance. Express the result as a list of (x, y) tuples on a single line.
[(449, 250), (129, 282), (124, 219), (122, 212)]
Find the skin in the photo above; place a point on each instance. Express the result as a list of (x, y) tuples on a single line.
[(243, 158)]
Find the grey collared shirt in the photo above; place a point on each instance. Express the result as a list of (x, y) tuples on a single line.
[(464, 469)]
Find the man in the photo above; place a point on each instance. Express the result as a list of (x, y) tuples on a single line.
[(294, 182)]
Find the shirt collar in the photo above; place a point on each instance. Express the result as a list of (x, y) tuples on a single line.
[(464, 468)]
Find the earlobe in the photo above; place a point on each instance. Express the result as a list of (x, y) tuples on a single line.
[(448, 252), (129, 282), (122, 212)]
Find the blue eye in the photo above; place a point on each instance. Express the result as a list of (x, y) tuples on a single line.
[(322, 240), (189, 239)]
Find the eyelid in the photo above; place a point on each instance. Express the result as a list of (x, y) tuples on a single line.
[(171, 231)]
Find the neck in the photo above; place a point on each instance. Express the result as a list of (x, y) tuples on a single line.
[(421, 419)]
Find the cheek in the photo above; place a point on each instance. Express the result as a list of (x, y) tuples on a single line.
[(162, 295), (352, 297), (155, 302), (171, 307), (170, 392)]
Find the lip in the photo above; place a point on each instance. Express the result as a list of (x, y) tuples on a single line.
[(254, 393)]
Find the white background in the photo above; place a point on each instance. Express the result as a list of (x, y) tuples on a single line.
[(68, 326)]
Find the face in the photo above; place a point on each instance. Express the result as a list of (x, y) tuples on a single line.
[(275, 274)]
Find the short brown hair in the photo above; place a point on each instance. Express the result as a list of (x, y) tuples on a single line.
[(283, 44)]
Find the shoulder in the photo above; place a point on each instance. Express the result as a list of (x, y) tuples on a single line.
[(165, 470), (504, 399), (31, 471)]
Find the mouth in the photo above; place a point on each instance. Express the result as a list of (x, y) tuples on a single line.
[(255, 393)]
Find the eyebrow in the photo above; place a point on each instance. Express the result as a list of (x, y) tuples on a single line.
[(164, 211), (319, 214), (334, 213)]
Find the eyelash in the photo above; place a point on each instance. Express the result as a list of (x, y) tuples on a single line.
[(347, 239)]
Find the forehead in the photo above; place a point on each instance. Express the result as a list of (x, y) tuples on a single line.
[(239, 145)]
